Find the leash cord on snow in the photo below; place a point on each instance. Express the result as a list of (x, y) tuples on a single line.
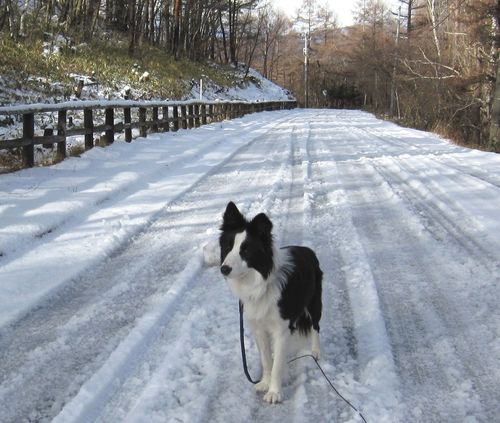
[(331, 384), (247, 374)]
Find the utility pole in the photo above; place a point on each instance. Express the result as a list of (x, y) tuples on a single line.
[(306, 36), (393, 82)]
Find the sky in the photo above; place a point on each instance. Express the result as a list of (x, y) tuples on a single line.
[(342, 8)]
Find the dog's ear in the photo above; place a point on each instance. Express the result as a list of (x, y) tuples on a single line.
[(232, 218), (261, 226)]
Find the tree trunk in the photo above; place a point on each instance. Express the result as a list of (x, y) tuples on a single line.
[(409, 22), (233, 17), (224, 43), (431, 8), (494, 143), (176, 37), (132, 26), (254, 46)]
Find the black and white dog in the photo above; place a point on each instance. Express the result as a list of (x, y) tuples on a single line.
[(280, 290)]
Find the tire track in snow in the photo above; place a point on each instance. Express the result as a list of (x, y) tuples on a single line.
[(102, 193), (127, 181), (339, 351), (124, 224), (438, 213), (406, 320), (379, 383), (424, 290), (440, 156), (97, 391), (460, 368)]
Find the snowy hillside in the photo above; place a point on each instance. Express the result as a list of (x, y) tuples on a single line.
[(109, 314), (251, 87)]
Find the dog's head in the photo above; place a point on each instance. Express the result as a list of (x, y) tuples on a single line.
[(245, 246)]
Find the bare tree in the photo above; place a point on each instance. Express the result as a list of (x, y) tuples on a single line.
[(274, 25), (494, 136)]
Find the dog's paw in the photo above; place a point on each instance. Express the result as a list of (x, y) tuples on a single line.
[(262, 386), (273, 397)]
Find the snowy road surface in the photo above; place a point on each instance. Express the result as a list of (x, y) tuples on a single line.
[(108, 313)]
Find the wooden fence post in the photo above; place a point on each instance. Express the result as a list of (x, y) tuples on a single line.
[(154, 127), (203, 114), (164, 116), (190, 111), (109, 120), (183, 117), (175, 117), (143, 130), (211, 112), (196, 109), (28, 134), (48, 132), (127, 115), (61, 130), (88, 123)]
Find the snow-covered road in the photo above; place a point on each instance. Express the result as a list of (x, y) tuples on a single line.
[(108, 313)]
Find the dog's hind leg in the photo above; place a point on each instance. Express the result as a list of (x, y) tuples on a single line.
[(315, 309)]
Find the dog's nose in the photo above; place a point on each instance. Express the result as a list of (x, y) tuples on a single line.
[(225, 270)]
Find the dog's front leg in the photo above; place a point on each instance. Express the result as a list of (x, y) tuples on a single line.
[(274, 394), (262, 339)]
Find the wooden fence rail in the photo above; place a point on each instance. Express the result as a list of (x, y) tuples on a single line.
[(174, 116)]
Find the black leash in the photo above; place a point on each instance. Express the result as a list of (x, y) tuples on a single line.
[(242, 343), (247, 374)]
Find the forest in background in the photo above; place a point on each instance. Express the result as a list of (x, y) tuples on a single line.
[(430, 64)]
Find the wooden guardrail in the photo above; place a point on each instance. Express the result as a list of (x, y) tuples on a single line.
[(149, 116)]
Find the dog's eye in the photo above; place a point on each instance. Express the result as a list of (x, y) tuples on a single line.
[(244, 249)]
